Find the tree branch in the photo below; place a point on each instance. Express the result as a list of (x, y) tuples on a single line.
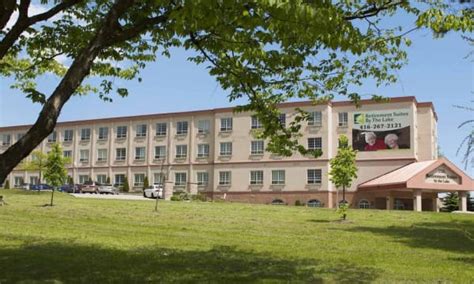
[(373, 10), (6, 10)]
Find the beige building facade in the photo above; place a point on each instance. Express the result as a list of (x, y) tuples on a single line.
[(214, 152)]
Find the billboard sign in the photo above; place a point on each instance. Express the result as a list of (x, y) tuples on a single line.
[(381, 130)]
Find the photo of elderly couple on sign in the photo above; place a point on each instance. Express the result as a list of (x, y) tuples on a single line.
[(381, 140)]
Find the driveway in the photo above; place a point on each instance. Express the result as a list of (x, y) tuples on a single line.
[(107, 196)]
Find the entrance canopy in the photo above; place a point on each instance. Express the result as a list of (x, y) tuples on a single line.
[(434, 176)]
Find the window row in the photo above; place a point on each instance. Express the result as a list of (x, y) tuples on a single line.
[(257, 147)]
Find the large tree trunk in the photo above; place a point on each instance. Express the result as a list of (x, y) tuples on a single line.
[(79, 69)]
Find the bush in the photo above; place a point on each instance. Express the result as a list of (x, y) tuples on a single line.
[(108, 180), (299, 203), (126, 186), (145, 183), (7, 185), (198, 197)]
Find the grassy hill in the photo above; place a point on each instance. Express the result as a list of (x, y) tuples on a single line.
[(101, 241)]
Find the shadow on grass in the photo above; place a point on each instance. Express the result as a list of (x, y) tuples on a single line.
[(89, 264), (453, 236)]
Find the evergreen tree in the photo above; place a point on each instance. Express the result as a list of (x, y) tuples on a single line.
[(146, 183), (7, 184), (126, 186), (450, 202), (108, 180)]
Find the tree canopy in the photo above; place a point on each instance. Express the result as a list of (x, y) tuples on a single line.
[(265, 50)]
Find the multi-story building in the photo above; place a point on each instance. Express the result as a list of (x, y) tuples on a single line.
[(215, 153)]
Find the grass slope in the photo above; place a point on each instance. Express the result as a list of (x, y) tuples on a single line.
[(103, 241)]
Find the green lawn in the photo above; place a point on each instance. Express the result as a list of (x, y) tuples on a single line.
[(100, 241)]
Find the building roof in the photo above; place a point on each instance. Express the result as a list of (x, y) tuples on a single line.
[(230, 109), (413, 176)]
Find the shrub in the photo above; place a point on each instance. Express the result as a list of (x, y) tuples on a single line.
[(108, 180), (145, 183), (298, 203), (7, 185), (126, 186), (198, 197), (342, 210)]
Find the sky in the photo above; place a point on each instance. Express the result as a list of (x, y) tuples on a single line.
[(438, 71)]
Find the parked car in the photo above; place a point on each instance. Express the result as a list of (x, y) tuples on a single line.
[(26, 186), (41, 186), (70, 188), (108, 189), (89, 187), (153, 191)]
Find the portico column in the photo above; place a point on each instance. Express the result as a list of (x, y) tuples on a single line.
[(417, 200), (435, 204), (462, 201), (389, 202)]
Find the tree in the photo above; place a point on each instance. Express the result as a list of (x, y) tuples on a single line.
[(37, 163), (7, 184), (108, 180), (126, 186), (343, 169), (267, 51), (450, 202), (70, 180), (468, 142), (56, 173), (146, 183)]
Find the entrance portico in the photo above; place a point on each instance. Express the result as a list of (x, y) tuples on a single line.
[(420, 182)]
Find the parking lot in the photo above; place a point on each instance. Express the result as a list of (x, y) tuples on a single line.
[(107, 196)]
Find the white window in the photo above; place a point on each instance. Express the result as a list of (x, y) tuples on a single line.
[(83, 179), (6, 139), (226, 148), (34, 180), (102, 179), (343, 119), (315, 118), (180, 179), (203, 150), (226, 124), (139, 179), (257, 147), (158, 178), (256, 124), (120, 154), (314, 176), (103, 133), (121, 131), (204, 126), (278, 177), (256, 177), (102, 155), (139, 153), (202, 178), (160, 152), (182, 128), (364, 204), (161, 129), (315, 143), (181, 151), (18, 181), (85, 134), (84, 156), (141, 130), (119, 179), (224, 178), (52, 137), (282, 119), (68, 135)]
